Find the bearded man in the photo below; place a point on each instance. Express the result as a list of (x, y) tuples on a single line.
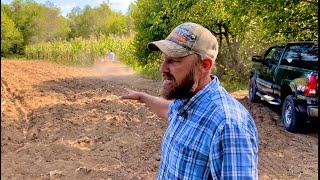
[(210, 134)]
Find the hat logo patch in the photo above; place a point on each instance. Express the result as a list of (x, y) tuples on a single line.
[(182, 36), (186, 33), (177, 37)]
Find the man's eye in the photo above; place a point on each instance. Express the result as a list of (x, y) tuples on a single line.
[(172, 61), (175, 61)]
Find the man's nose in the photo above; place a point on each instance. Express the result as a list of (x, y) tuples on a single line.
[(164, 67)]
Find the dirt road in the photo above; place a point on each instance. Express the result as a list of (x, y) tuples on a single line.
[(69, 123)]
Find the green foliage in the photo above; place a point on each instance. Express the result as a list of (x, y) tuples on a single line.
[(289, 20), (151, 69), (94, 22), (234, 85), (150, 19), (11, 37), (34, 23), (38, 23), (242, 27), (49, 25), (83, 52)]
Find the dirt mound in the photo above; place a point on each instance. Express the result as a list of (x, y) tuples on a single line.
[(70, 123)]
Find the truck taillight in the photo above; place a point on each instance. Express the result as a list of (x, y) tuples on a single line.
[(311, 86)]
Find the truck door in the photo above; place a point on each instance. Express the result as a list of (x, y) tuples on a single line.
[(271, 61)]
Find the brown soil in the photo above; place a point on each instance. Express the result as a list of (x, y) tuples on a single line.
[(70, 123)]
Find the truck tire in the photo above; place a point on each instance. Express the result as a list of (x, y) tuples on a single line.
[(252, 91), (291, 118)]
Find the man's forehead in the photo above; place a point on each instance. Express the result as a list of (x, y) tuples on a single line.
[(165, 56), (169, 57)]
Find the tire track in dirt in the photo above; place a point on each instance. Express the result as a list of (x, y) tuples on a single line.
[(22, 111)]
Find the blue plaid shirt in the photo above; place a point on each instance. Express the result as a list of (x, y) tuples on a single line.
[(210, 136)]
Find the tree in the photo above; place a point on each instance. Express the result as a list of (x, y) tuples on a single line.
[(49, 25), (97, 21), (34, 22), (152, 21), (288, 20), (39, 23), (11, 37), (241, 26)]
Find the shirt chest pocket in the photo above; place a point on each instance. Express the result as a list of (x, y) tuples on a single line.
[(187, 153)]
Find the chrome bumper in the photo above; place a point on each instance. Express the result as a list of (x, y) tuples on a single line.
[(313, 111)]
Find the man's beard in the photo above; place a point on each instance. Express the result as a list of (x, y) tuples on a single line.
[(182, 90)]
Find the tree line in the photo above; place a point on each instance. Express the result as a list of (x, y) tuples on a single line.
[(25, 22)]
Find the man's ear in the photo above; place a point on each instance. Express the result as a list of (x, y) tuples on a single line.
[(207, 63)]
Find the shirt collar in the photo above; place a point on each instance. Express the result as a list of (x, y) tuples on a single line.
[(203, 93)]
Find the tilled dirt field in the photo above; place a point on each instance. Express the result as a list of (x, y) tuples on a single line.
[(61, 122)]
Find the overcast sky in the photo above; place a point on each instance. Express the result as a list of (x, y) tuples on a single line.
[(66, 5)]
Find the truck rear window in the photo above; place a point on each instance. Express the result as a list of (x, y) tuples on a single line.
[(301, 55)]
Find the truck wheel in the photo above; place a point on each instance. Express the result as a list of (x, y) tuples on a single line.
[(291, 119), (252, 91)]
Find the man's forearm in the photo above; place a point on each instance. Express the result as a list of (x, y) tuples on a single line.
[(156, 104)]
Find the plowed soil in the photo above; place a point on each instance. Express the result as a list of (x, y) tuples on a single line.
[(60, 122)]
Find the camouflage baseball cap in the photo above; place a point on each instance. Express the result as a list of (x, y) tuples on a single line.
[(187, 38)]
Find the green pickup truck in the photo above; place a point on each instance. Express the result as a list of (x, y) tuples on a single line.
[(287, 75)]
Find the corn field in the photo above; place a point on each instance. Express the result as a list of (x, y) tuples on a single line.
[(81, 51)]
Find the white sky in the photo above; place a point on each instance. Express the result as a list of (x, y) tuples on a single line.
[(66, 5)]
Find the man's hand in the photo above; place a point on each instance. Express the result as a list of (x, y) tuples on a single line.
[(156, 104), (131, 94)]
